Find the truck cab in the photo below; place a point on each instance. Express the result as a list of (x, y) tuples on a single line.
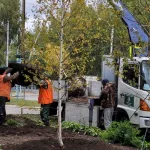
[(133, 81), (134, 91)]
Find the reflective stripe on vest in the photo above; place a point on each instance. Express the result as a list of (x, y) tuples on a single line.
[(46, 95), (5, 88)]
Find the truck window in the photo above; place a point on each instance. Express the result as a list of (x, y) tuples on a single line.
[(130, 74), (145, 75)]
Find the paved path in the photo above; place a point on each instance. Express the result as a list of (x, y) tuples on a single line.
[(26, 96)]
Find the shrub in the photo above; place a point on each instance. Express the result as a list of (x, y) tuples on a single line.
[(124, 133), (75, 127), (146, 146), (93, 131), (12, 122), (119, 132)]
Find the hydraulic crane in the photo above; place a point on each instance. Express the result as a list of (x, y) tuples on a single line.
[(136, 32)]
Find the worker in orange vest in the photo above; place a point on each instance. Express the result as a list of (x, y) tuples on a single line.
[(5, 89), (45, 99)]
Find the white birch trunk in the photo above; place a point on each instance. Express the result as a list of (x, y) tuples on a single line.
[(31, 53), (59, 80)]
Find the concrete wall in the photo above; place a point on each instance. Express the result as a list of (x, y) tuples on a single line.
[(13, 109), (107, 71), (79, 113), (94, 88), (64, 93)]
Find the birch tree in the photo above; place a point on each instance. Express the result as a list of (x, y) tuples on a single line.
[(61, 10), (81, 34), (60, 74)]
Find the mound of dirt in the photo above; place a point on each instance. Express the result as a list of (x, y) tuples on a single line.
[(35, 137)]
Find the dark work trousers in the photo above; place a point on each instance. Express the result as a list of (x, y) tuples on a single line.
[(45, 113), (3, 101)]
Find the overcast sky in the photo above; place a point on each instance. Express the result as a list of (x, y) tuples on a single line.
[(30, 4), (29, 14)]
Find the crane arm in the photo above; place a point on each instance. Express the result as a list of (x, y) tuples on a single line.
[(135, 30)]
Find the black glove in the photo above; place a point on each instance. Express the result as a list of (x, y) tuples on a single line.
[(8, 70)]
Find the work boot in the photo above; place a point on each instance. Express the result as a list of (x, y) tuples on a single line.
[(46, 123), (2, 118)]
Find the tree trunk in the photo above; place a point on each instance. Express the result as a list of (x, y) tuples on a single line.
[(59, 80), (31, 53)]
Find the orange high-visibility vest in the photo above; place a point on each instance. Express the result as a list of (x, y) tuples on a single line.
[(5, 88), (46, 95)]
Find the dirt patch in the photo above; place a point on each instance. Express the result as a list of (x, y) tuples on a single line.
[(79, 100), (31, 136)]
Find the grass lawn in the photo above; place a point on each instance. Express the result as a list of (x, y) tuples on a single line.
[(21, 120), (21, 103)]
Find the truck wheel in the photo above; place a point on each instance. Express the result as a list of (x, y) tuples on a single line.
[(121, 117), (63, 112)]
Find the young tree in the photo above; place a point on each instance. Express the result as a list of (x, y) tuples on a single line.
[(81, 33), (74, 46)]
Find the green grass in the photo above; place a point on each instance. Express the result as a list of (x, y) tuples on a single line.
[(26, 119), (21, 103)]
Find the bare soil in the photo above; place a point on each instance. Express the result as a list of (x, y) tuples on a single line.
[(35, 137)]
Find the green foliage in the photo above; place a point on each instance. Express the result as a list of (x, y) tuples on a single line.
[(21, 103), (146, 145), (9, 11), (93, 131), (75, 127), (86, 34), (72, 126), (119, 132), (12, 122), (124, 133), (85, 38)]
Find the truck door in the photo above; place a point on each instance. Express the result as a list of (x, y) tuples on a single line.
[(128, 85)]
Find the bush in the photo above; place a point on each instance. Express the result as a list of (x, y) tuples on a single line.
[(119, 132), (93, 131), (12, 122), (124, 133), (75, 127), (146, 146)]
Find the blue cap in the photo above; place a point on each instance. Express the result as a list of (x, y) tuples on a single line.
[(105, 81)]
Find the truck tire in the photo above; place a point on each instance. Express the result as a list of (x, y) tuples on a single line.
[(121, 116), (63, 111)]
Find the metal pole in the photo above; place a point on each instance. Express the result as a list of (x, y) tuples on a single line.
[(7, 50), (111, 40), (23, 33), (23, 28), (17, 94)]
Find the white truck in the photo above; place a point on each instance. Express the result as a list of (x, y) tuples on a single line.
[(133, 90), (134, 84)]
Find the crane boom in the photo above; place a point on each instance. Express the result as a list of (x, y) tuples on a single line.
[(135, 30)]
